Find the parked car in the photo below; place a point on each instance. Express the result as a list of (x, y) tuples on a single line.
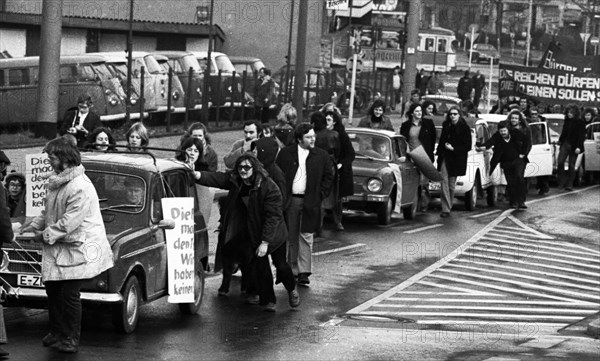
[(223, 87), (477, 177), (136, 235), (251, 66), (80, 74), (181, 62), (385, 179), (592, 148), (485, 52)]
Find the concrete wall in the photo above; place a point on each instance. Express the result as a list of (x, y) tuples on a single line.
[(73, 41)]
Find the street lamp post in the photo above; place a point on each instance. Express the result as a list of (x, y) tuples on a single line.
[(129, 65)]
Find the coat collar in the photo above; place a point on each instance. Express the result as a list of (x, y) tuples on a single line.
[(67, 175)]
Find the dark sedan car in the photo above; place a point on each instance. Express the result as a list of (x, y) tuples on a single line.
[(385, 179)]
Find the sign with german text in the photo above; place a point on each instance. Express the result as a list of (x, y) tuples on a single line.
[(180, 249), (549, 86), (337, 4), (37, 171)]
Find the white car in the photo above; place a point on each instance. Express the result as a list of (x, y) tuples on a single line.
[(591, 145), (477, 177)]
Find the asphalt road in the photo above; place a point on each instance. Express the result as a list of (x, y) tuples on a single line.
[(394, 292)]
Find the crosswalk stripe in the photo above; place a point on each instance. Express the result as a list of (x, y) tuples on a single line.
[(524, 284), (540, 318), (488, 241), (464, 290), (525, 243), (512, 235), (577, 264), (503, 258), (494, 323), (485, 214), (529, 310), (545, 273), (423, 228), (524, 226), (495, 301), (538, 279), (507, 289)]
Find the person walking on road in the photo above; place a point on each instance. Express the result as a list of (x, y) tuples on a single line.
[(570, 141), (435, 85), (465, 86), (510, 151), (253, 224), (264, 95), (452, 151), (478, 85), (375, 117), (309, 174), (75, 248)]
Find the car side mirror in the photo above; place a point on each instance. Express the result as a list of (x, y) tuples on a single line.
[(163, 224)]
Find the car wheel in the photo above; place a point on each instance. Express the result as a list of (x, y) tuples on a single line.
[(126, 314), (411, 211), (471, 196), (492, 196), (193, 307), (384, 213)]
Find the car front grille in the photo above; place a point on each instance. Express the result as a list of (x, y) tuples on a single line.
[(24, 261)]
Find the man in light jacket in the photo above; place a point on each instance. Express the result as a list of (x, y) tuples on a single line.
[(75, 247)]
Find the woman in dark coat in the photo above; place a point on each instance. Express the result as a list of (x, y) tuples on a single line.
[(452, 152), (252, 221)]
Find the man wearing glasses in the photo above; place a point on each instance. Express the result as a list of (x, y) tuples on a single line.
[(309, 174), (80, 121), (452, 151)]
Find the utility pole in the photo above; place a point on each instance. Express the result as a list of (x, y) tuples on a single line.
[(129, 67), (51, 30), (300, 59), (528, 32), (205, 91), (412, 39), (288, 58)]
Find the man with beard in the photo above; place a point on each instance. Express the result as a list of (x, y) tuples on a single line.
[(510, 150), (309, 175)]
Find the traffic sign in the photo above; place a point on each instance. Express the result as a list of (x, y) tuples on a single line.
[(359, 65), (585, 36), (594, 40)]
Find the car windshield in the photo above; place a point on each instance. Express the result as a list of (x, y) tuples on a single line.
[(372, 146), (119, 192), (485, 47), (152, 65), (190, 61), (224, 64)]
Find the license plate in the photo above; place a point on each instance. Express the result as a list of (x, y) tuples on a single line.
[(435, 186), (29, 280)]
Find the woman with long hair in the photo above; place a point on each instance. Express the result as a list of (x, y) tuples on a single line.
[(137, 138), (101, 139), (375, 117)]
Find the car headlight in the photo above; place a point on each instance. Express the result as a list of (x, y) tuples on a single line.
[(113, 100), (4, 264), (133, 101), (374, 185), (198, 91), (175, 95)]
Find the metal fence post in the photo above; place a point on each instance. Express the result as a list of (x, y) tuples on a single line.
[(232, 101), (188, 97), (243, 110), (219, 98), (142, 99), (169, 91)]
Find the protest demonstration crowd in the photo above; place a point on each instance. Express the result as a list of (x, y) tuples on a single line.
[(281, 180)]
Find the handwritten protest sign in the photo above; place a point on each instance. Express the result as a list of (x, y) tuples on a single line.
[(180, 249), (548, 85), (37, 170)]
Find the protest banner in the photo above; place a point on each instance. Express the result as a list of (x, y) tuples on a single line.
[(558, 58), (549, 86), (37, 171), (180, 249)]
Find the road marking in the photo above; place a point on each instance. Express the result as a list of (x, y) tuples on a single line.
[(545, 273), (524, 226), (538, 279), (339, 249), (524, 244), (423, 228), (525, 250), (464, 290), (484, 308), (546, 198), (495, 301), (486, 316), (485, 214)]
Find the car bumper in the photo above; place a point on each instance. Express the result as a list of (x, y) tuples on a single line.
[(111, 117), (378, 198), (40, 294)]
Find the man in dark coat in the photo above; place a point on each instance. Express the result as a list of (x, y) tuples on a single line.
[(80, 121), (252, 223), (452, 151), (478, 85), (264, 95), (510, 151), (465, 86), (570, 141), (309, 174)]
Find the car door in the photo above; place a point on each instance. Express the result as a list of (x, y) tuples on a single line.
[(408, 170), (540, 156), (592, 147), (482, 135)]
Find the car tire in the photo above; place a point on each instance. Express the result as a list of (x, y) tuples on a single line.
[(193, 307), (411, 211), (472, 195), (492, 196), (384, 211), (126, 314)]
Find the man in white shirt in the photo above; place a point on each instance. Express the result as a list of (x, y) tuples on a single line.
[(309, 175)]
